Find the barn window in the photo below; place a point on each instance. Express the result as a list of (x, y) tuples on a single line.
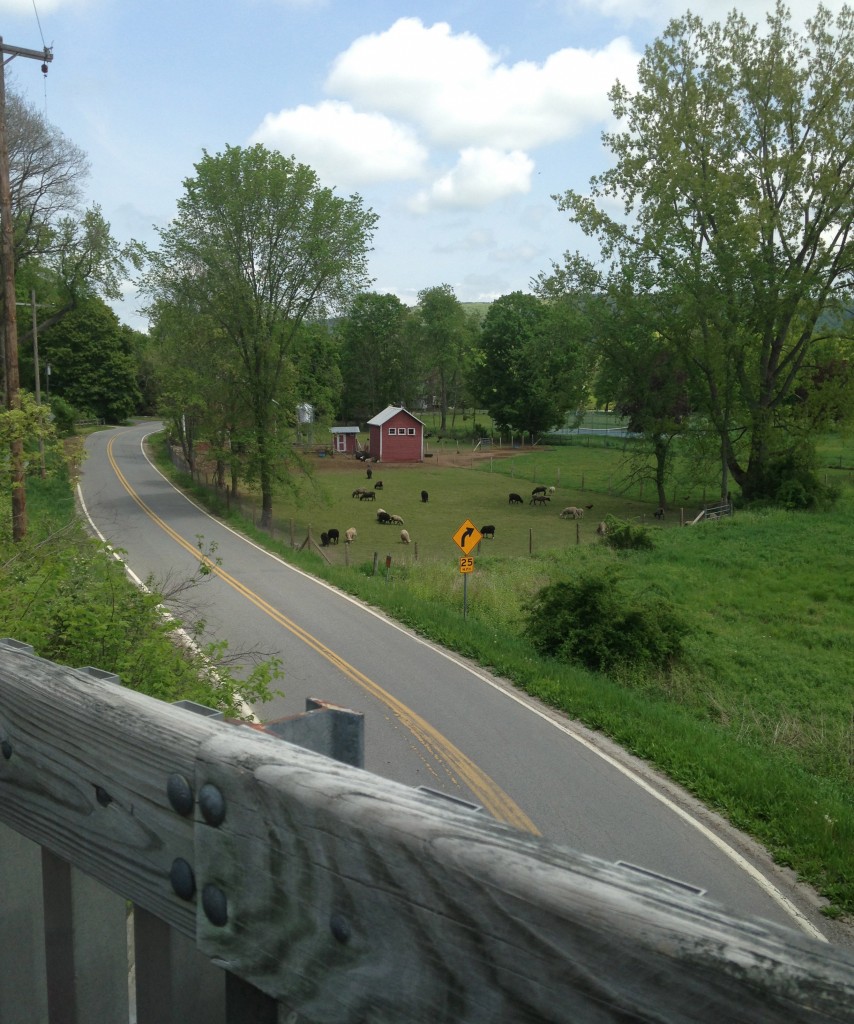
[(411, 431), (392, 431)]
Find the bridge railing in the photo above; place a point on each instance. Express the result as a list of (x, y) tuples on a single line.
[(254, 880)]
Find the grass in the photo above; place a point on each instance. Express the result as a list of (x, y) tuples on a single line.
[(757, 720)]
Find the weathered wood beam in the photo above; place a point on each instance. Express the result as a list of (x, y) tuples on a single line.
[(347, 897)]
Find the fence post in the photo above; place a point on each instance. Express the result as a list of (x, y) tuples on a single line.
[(530, 541)]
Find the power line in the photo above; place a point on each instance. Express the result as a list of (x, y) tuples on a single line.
[(38, 22)]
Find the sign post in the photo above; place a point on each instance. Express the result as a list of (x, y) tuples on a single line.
[(467, 538)]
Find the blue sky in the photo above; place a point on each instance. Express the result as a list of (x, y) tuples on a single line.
[(456, 122)]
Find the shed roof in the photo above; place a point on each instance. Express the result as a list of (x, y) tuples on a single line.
[(344, 430), (389, 413)]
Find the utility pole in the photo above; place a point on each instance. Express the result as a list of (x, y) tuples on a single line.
[(10, 315)]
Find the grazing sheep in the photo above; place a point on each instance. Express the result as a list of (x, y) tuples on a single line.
[(378, 486), (350, 535), (367, 496), (538, 490), (571, 512), (424, 496), (552, 490), (383, 517), (515, 499), (488, 531), (333, 536), (602, 529), (397, 520), (370, 472), (359, 492), (659, 513), (540, 499), (324, 540), (404, 536)]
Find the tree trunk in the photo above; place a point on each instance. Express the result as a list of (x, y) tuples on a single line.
[(660, 448)]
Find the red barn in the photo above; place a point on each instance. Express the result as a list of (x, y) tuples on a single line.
[(396, 436)]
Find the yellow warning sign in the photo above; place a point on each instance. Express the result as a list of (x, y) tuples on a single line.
[(466, 563), (467, 537)]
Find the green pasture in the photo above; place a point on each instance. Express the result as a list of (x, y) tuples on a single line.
[(477, 490)]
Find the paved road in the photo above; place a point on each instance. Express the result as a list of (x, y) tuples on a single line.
[(431, 718)]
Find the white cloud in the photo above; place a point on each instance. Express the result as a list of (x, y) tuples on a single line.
[(481, 176), (344, 146), (459, 93)]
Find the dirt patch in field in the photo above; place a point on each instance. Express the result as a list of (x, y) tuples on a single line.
[(449, 458)]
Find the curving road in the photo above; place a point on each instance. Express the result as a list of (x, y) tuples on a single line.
[(431, 718)]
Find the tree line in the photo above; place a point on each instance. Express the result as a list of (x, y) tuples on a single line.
[(715, 317)]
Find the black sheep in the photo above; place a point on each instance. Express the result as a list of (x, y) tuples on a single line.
[(324, 540), (424, 496), (370, 472), (488, 531), (515, 499), (333, 536), (378, 486)]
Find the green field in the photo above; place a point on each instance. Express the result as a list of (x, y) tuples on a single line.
[(757, 719)]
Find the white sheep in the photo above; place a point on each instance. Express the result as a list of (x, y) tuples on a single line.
[(404, 536), (350, 535), (552, 490), (602, 528), (572, 512), (396, 519)]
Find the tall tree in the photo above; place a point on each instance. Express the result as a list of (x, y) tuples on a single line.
[(380, 360), (447, 337), (46, 175), (261, 247), (93, 363), (736, 171), (529, 371)]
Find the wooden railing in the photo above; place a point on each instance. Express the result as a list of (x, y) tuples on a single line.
[(253, 880)]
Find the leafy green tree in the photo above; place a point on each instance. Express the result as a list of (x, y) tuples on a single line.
[(93, 365), (380, 359), (261, 247), (529, 369), (734, 166), (446, 336)]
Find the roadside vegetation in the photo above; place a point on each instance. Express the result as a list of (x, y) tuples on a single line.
[(746, 699), (61, 592)]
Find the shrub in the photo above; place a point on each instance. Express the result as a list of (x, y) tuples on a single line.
[(594, 620), (64, 415), (625, 535)]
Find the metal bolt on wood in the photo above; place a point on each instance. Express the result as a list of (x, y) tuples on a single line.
[(212, 804), (215, 905), (340, 928), (183, 879), (180, 794)]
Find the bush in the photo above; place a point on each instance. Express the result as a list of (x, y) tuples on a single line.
[(64, 415), (594, 620), (625, 535)]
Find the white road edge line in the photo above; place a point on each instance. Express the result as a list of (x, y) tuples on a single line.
[(764, 883)]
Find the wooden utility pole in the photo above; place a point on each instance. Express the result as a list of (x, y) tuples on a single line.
[(10, 315)]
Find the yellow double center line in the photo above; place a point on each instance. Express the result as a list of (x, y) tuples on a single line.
[(493, 798)]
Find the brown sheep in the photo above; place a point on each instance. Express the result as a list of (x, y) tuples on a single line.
[(572, 512)]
